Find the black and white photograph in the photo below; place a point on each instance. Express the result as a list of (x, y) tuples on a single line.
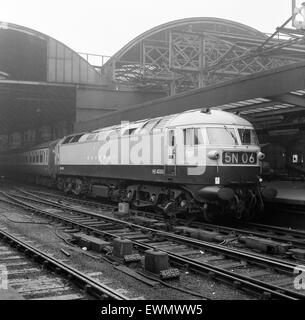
[(152, 157)]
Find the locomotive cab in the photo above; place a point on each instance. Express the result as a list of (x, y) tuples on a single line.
[(222, 155)]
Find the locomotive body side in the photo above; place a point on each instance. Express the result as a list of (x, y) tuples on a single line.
[(163, 162), (172, 158)]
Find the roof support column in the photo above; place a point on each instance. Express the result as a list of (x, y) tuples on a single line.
[(202, 64)]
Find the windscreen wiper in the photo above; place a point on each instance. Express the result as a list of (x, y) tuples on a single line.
[(232, 135)]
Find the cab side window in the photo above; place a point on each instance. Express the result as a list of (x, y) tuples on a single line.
[(171, 138), (192, 136), (197, 137), (188, 137)]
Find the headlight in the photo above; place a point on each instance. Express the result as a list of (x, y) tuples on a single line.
[(213, 155), (261, 156)]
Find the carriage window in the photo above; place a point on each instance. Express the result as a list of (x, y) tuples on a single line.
[(162, 123), (148, 126), (76, 138), (40, 158), (91, 137), (130, 131), (67, 139), (248, 137), (225, 135)]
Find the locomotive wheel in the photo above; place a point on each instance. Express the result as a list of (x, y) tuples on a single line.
[(67, 186), (170, 208), (60, 185), (77, 187)]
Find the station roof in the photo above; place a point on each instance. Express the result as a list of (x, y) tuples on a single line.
[(201, 62), (269, 99), (270, 111), (29, 55), (196, 52), (38, 79)]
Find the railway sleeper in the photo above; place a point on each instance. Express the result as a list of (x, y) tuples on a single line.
[(265, 245)]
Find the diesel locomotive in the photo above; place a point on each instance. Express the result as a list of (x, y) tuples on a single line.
[(203, 161)]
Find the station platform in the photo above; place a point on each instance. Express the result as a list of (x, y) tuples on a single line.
[(289, 192), (10, 294)]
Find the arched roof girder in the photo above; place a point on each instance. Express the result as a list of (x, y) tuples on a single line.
[(236, 27), (57, 62), (187, 54)]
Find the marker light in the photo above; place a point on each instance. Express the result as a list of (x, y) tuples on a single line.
[(261, 156)]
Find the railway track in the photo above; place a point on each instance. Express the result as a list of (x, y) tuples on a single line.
[(272, 278), (282, 235), (37, 275)]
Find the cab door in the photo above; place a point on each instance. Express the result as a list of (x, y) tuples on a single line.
[(170, 167), (194, 151)]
